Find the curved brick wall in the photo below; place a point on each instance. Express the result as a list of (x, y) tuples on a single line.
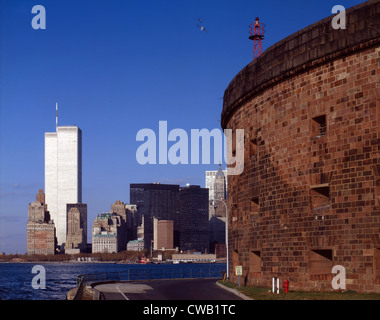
[(309, 195)]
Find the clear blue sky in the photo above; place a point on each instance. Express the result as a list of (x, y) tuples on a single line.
[(116, 67)]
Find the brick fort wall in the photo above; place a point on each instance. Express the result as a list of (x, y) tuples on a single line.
[(309, 196)]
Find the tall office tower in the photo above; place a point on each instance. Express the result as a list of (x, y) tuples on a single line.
[(219, 193), (216, 182), (133, 221), (155, 200), (40, 229), (119, 208), (140, 230), (76, 240), (63, 174), (162, 234), (193, 222)]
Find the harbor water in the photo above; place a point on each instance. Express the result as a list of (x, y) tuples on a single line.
[(16, 278)]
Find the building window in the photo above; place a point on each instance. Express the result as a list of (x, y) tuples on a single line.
[(320, 261), (320, 191), (255, 261), (318, 126), (254, 205), (253, 148), (319, 197)]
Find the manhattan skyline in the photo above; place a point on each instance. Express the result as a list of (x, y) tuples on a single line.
[(116, 67)]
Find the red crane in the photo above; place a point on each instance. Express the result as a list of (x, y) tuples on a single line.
[(257, 30)]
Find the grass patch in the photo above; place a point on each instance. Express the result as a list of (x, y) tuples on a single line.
[(258, 293)]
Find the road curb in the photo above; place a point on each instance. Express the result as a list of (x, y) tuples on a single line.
[(234, 291)]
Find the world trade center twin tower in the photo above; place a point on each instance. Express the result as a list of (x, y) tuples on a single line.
[(63, 174)]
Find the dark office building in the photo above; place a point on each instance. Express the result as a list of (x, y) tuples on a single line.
[(193, 222), (155, 200)]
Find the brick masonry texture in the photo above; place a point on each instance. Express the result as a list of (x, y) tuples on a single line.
[(309, 195)]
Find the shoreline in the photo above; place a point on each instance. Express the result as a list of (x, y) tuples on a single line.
[(109, 262)]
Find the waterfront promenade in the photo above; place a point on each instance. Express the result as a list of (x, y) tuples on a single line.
[(181, 289), (165, 282)]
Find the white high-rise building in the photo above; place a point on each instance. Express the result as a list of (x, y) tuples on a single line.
[(210, 185), (63, 174), (210, 182)]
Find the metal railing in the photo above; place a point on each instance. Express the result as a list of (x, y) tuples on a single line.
[(80, 287), (135, 274)]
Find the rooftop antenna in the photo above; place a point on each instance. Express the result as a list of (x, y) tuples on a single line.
[(256, 31), (56, 114)]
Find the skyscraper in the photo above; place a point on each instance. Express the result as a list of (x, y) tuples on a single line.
[(162, 234), (193, 222), (155, 200), (219, 192), (216, 182), (40, 229), (76, 237), (119, 208), (63, 174), (133, 221)]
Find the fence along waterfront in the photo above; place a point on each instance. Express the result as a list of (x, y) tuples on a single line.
[(133, 274)]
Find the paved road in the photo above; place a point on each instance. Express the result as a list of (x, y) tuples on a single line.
[(186, 289)]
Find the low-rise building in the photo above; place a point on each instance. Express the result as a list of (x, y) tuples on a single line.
[(104, 242), (193, 257), (135, 245)]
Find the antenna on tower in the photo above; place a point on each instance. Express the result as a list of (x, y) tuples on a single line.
[(256, 31), (56, 114)]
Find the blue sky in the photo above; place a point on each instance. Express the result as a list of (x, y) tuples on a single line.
[(116, 67)]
